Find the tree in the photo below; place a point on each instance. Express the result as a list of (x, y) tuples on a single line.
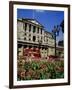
[(62, 25), (61, 43)]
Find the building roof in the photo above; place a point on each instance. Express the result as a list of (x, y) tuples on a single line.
[(48, 32), (34, 21)]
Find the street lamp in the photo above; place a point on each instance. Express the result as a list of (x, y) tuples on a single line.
[(55, 33), (40, 43)]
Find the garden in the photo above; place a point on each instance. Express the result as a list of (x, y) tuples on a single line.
[(40, 69)]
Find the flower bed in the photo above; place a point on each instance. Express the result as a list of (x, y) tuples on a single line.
[(36, 70)]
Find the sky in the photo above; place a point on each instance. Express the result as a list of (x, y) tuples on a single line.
[(47, 18)]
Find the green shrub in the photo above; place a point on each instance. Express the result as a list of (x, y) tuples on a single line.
[(36, 70)]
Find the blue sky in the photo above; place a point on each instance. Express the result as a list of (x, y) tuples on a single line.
[(47, 18)]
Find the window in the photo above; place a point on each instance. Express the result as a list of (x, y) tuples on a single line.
[(29, 39), (41, 30), (34, 38), (38, 30), (25, 38), (25, 26), (34, 29), (29, 27), (25, 34), (45, 48), (29, 35), (25, 46), (19, 46), (42, 48), (30, 46)]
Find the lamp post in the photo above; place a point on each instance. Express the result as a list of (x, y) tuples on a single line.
[(55, 33), (40, 43)]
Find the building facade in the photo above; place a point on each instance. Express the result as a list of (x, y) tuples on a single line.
[(33, 40)]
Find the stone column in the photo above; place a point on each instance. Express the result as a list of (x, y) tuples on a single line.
[(21, 51), (31, 33), (36, 35), (27, 27)]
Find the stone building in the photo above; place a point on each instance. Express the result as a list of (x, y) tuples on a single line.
[(33, 40)]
